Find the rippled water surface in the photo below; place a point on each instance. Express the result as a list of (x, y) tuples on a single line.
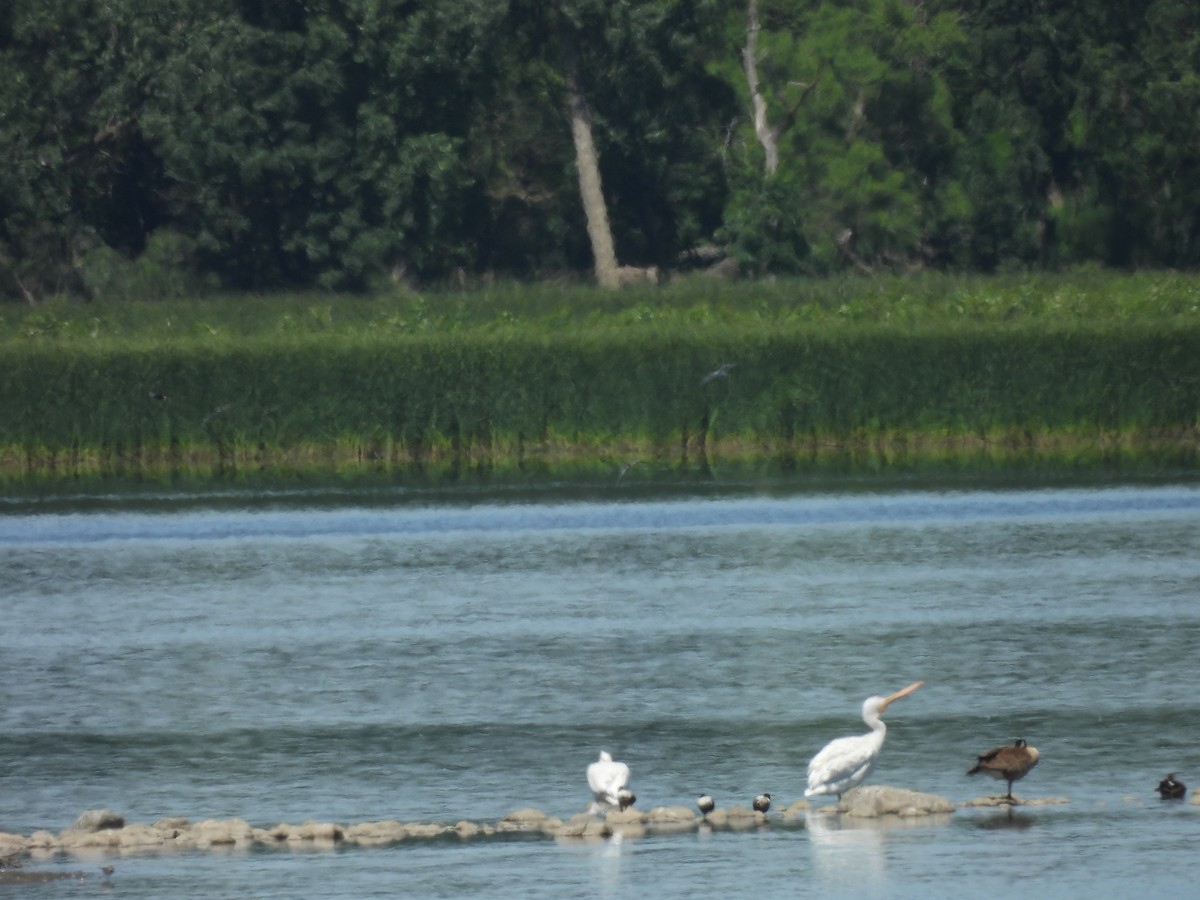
[(361, 656)]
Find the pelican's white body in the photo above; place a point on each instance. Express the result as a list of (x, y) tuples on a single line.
[(846, 762), (606, 778)]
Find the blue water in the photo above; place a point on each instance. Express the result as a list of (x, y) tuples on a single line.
[(350, 656)]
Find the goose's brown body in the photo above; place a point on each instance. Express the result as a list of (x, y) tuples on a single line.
[(1009, 763)]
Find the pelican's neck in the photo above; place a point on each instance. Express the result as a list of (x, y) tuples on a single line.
[(870, 715)]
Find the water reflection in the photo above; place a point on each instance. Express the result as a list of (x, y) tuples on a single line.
[(843, 852), (605, 857), (854, 851), (1010, 819)]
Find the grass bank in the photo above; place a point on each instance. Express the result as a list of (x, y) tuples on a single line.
[(517, 376)]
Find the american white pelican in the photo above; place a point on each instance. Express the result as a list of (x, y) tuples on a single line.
[(762, 803), (1009, 763), (607, 779), (706, 804), (846, 762), (1171, 788)]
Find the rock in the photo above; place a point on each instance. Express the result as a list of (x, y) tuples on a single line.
[(797, 810), (376, 833), (872, 801), (310, 831), (41, 840), (426, 829), (173, 823), (624, 817), (665, 814), (143, 836), (526, 816), (583, 826), (219, 832), (97, 820), (741, 812), (85, 840), (1004, 801)]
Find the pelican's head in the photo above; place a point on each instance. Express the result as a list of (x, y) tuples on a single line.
[(605, 756), (875, 706)]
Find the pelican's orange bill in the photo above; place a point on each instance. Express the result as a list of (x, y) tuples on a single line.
[(902, 693)]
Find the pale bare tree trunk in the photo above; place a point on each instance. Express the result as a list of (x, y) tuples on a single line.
[(766, 135), (587, 163)]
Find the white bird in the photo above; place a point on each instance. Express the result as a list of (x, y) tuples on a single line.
[(846, 762), (722, 372), (607, 779)]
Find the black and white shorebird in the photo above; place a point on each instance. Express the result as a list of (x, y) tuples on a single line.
[(625, 799), (1009, 763), (762, 803), (1171, 788), (706, 804)]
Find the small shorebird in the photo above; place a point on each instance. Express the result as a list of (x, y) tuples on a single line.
[(1171, 788), (607, 779), (706, 803), (625, 799), (1009, 763), (762, 803), (722, 372)]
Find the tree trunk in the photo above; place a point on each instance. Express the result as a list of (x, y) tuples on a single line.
[(762, 129), (587, 163)]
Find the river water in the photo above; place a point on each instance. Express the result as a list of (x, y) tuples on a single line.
[(354, 655)]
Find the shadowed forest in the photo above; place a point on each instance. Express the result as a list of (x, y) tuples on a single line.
[(158, 149)]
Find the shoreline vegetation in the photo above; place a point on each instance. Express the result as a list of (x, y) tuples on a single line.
[(791, 375)]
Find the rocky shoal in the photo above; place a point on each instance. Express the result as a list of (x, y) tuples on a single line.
[(102, 832)]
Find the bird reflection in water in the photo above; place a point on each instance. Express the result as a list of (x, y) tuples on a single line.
[(846, 854), (605, 862), (1009, 818)]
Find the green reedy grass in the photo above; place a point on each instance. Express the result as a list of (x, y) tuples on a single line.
[(515, 371)]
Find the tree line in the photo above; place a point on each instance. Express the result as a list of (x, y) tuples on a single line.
[(267, 144)]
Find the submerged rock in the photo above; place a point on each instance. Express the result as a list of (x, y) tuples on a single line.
[(1016, 801), (873, 801)]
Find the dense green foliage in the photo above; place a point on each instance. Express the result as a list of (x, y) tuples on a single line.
[(511, 373), (160, 147)]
